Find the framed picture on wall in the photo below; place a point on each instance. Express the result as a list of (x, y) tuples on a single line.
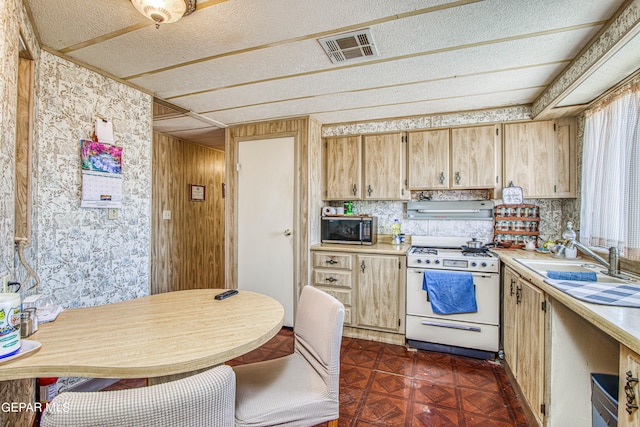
[(197, 192)]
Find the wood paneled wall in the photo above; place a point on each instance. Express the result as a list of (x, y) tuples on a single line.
[(23, 149), (307, 135), (188, 249)]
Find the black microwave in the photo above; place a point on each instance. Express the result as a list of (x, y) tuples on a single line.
[(350, 229)]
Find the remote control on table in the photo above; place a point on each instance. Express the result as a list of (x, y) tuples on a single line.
[(226, 294)]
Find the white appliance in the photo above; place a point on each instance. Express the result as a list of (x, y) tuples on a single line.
[(471, 334)]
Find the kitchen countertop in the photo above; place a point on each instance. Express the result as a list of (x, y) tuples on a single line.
[(379, 248), (621, 323)]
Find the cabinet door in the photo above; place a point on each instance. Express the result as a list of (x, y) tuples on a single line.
[(383, 167), (378, 290), (475, 157), (343, 170), (428, 159), (531, 345), (509, 319), (629, 362), (529, 158), (565, 158)]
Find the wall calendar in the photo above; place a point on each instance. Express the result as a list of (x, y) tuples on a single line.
[(101, 175)]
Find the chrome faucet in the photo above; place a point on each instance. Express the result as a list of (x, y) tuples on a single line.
[(613, 268)]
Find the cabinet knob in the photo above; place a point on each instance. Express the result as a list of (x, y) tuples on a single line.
[(458, 177), (355, 190), (362, 266), (441, 177), (331, 279), (369, 189), (518, 294), (331, 261)]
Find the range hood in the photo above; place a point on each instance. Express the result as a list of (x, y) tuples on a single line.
[(464, 209)]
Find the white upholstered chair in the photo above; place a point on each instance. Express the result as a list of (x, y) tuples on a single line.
[(300, 389), (201, 400)]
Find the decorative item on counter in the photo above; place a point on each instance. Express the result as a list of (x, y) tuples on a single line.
[(26, 324), (517, 224), (348, 208), (46, 309), (512, 195), (396, 231), (568, 234), (328, 210), (530, 245), (10, 316)]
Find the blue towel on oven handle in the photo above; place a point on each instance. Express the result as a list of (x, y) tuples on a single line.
[(450, 292)]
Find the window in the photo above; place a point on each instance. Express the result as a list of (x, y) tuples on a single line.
[(610, 212)]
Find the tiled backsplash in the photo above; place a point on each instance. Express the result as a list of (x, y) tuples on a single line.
[(551, 217)]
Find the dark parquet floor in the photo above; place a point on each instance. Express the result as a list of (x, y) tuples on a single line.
[(389, 385)]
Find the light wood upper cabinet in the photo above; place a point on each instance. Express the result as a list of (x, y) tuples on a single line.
[(475, 157), (343, 168), (541, 158), (428, 159), (565, 160), (383, 167), (365, 168), (468, 157)]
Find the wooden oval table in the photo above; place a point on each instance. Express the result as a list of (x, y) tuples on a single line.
[(154, 336)]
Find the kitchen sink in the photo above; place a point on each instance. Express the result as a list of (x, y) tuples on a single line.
[(542, 266)]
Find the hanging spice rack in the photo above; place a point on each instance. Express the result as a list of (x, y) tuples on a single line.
[(516, 224)]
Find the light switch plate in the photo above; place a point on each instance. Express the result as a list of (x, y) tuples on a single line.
[(166, 214), (113, 213), (5, 281)]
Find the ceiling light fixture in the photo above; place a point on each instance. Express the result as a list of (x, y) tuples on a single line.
[(164, 11)]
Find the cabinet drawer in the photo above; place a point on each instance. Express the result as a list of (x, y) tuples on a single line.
[(337, 261), (341, 279), (344, 296)]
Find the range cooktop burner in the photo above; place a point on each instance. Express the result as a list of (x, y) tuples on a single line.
[(485, 254), (424, 251)]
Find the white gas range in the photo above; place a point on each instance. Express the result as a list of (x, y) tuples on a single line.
[(474, 334)]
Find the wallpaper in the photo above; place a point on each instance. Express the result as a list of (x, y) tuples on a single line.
[(83, 258), (14, 23), (507, 114)]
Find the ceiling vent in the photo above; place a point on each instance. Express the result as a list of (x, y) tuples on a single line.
[(348, 46)]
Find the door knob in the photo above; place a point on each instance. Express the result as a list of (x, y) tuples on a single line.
[(288, 232)]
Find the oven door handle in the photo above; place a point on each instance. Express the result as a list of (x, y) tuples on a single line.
[(484, 276), (449, 326)]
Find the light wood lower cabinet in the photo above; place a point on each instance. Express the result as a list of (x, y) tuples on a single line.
[(629, 375), (524, 329), (370, 286), (333, 273), (378, 299)]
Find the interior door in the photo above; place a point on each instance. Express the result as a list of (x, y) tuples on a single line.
[(266, 218)]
